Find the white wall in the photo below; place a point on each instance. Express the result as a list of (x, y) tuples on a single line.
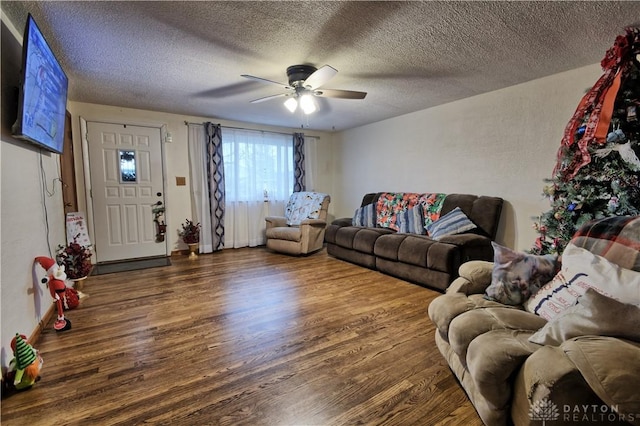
[(502, 143), (32, 222), (178, 198)]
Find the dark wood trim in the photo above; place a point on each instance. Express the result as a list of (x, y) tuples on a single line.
[(67, 169)]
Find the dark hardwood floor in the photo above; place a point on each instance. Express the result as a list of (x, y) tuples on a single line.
[(245, 337)]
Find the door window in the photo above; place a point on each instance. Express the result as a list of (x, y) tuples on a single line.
[(127, 166)]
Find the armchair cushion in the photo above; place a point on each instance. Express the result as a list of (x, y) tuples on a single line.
[(593, 314), (288, 233)]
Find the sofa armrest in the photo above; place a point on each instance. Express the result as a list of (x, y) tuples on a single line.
[(275, 221), (553, 374), (343, 221), (610, 366), (474, 278), (548, 375)]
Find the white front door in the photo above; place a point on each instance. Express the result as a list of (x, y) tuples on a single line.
[(126, 184)]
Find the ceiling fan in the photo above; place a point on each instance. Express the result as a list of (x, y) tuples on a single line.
[(304, 83)]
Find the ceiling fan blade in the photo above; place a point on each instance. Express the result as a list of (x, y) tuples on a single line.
[(320, 77), (264, 80), (342, 94), (266, 98)]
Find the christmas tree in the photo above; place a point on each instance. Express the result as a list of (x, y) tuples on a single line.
[(598, 169)]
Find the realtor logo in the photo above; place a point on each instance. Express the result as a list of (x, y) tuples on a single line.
[(544, 410)]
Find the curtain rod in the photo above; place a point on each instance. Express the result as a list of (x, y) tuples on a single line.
[(186, 123)]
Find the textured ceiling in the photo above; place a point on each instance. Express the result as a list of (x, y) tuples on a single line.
[(187, 57)]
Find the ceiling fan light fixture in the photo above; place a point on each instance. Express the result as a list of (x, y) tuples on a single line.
[(291, 104), (307, 103)]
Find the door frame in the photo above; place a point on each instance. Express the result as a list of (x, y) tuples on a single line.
[(68, 170), (87, 172)]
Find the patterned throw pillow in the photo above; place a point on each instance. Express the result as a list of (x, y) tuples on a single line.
[(365, 216), (581, 270), (411, 221), (516, 276), (454, 222)]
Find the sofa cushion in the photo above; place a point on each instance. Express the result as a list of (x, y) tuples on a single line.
[(365, 239), (418, 250), (493, 358), (443, 309), (593, 314), (365, 216), (516, 276), (610, 367), (484, 211), (359, 238), (471, 324), (581, 270), (454, 222), (411, 221)]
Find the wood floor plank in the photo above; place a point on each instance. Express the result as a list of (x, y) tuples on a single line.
[(245, 336)]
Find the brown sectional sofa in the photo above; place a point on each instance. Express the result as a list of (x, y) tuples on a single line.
[(584, 366), (418, 258)]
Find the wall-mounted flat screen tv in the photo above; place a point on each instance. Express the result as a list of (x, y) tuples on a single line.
[(43, 93)]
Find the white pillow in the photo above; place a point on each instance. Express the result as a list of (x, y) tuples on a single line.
[(581, 270), (594, 314)]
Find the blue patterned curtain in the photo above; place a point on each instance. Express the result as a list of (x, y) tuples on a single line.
[(215, 178), (298, 162)]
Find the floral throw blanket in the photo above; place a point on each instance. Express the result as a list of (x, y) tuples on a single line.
[(303, 205), (389, 204)]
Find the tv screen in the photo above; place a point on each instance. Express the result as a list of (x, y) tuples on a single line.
[(43, 93)]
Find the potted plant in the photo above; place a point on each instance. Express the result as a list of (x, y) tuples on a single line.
[(190, 234), (76, 259)]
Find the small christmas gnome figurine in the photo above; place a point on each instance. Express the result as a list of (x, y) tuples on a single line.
[(26, 364)]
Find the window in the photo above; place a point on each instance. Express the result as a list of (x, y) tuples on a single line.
[(258, 166), (128, 166)]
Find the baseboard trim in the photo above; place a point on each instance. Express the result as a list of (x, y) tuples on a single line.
[(33, 337)]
